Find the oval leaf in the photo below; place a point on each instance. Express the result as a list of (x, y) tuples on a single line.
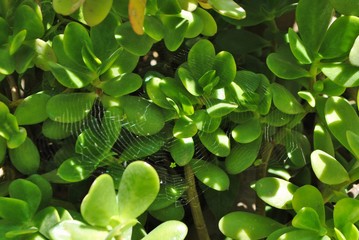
[(182, 150), (284, 100), (216, 142), (168, 231)]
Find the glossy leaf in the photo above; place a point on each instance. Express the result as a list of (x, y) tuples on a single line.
[(340, 118), (284, 100), (326, 166), (284, 67), (247, 132), (346, 211), (188, 81), (239, 225), (70, 107), (342, 74), (184, 128), (216, 142), (32, 109), (172, 212), (322, 139), (303, 234), (353, 141), (44, 186), (210, 174), (340, 37), (26, 157), (44, 54), (169, 194), (205, 122), (76, 230), (182, 150), (142, 117), (138, 188), (307, 218), (242, 156), (277, 118), (313, 21), (276, 192), (3, 148), (298, 49), (66, 7), (353, 54), (14, 210), (122, 85), (201, 58), (25, 18), (153, 27), (167, 231), (228, 8), (175, 30), (56, 130), (95, 12), (100, 204), (225, 67), (26, 191), (17, 41), (219, 109), (7, 64), (309, 196), (210, 25), (195, 24), (76, 169), (136, 44)]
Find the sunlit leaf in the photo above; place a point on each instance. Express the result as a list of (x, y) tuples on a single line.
[(167, 231), (136, 14)]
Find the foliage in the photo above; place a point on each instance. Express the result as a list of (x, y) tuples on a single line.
[(114, 114)]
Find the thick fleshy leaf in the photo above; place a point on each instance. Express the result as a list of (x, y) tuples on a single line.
[(309, 196), (188, 81), (76, 169), (284, 100), (100, 204), (44, 186), (25, 18), (217, 109), (276, 192), (216, 142), (46, 219), (137, 44), (175, 30), (44, 54), (327, 169), (14, 210), (285, 67), (298, 49), (342, 74), (27, 191), (353, 141), (242, 156), (168, 231), (26, 157), (122, 85), (32, 109), (94, 12), (340, 37), (17, 41), (66, 7), (346, 211), (138, 188), (240, 225), (3, 149), (184, 128), (201, 58), (354, 53), (70, 107), (248, 131), (313, 19), (308, 219), (76, 230), (172, 212), (228, 8), (340, 118), (56, 130), (169, 194), (205, 122), (225, 67), (210, 174), (303, 234), (182, 150), (346, 7), (7, 63), (322, 139), (153, 27), (195, 24)]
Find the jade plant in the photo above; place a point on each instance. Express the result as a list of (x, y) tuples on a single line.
[(179, 119)]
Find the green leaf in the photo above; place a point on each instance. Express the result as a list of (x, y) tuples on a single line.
[(298, 49), (182, 150), (284, 100), (7, 63), (76, 230), (125, 62), (308, 219), (276, 192), (327, 169), (340, 37), (242, 156), (239, 225), (188, 81), (322, 139), (70, 107), (76, 169), (138, 45), (4, 31), (277, 118), (45, 219), (143, 118), (340, 118), (66, 7), (175, 30), (353, 141), (172, 212), (44, 186), (284, 67), (350, 231), (210, 174), (248, 131), (100, 204), (342, 74), (167, 231), (25, 18), (44, 54), (228, 8), (90, 59), (217, 109), (201, 58), (169, 194), (313, 19), (26, 191), (346, 211), (95, 12), (17, 41), (122, 85), (138, 188), (56, 130), (14, 210), (216, 142), (24, 58), (303, 234), (3, 148), (32, 109), (205, 122), (154, 28), (26, 157), (195, 24), (308, 97), (309, 196), (184, 128), (353, 54), (225, 67)]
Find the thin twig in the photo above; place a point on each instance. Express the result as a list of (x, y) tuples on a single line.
[(195, 205), (13, 88)]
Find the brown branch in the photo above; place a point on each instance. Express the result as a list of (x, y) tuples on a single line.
[(13, 88), (195, 205)]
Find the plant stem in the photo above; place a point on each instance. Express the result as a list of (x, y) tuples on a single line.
[(195, 205), (13, 88), (262, 172)]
